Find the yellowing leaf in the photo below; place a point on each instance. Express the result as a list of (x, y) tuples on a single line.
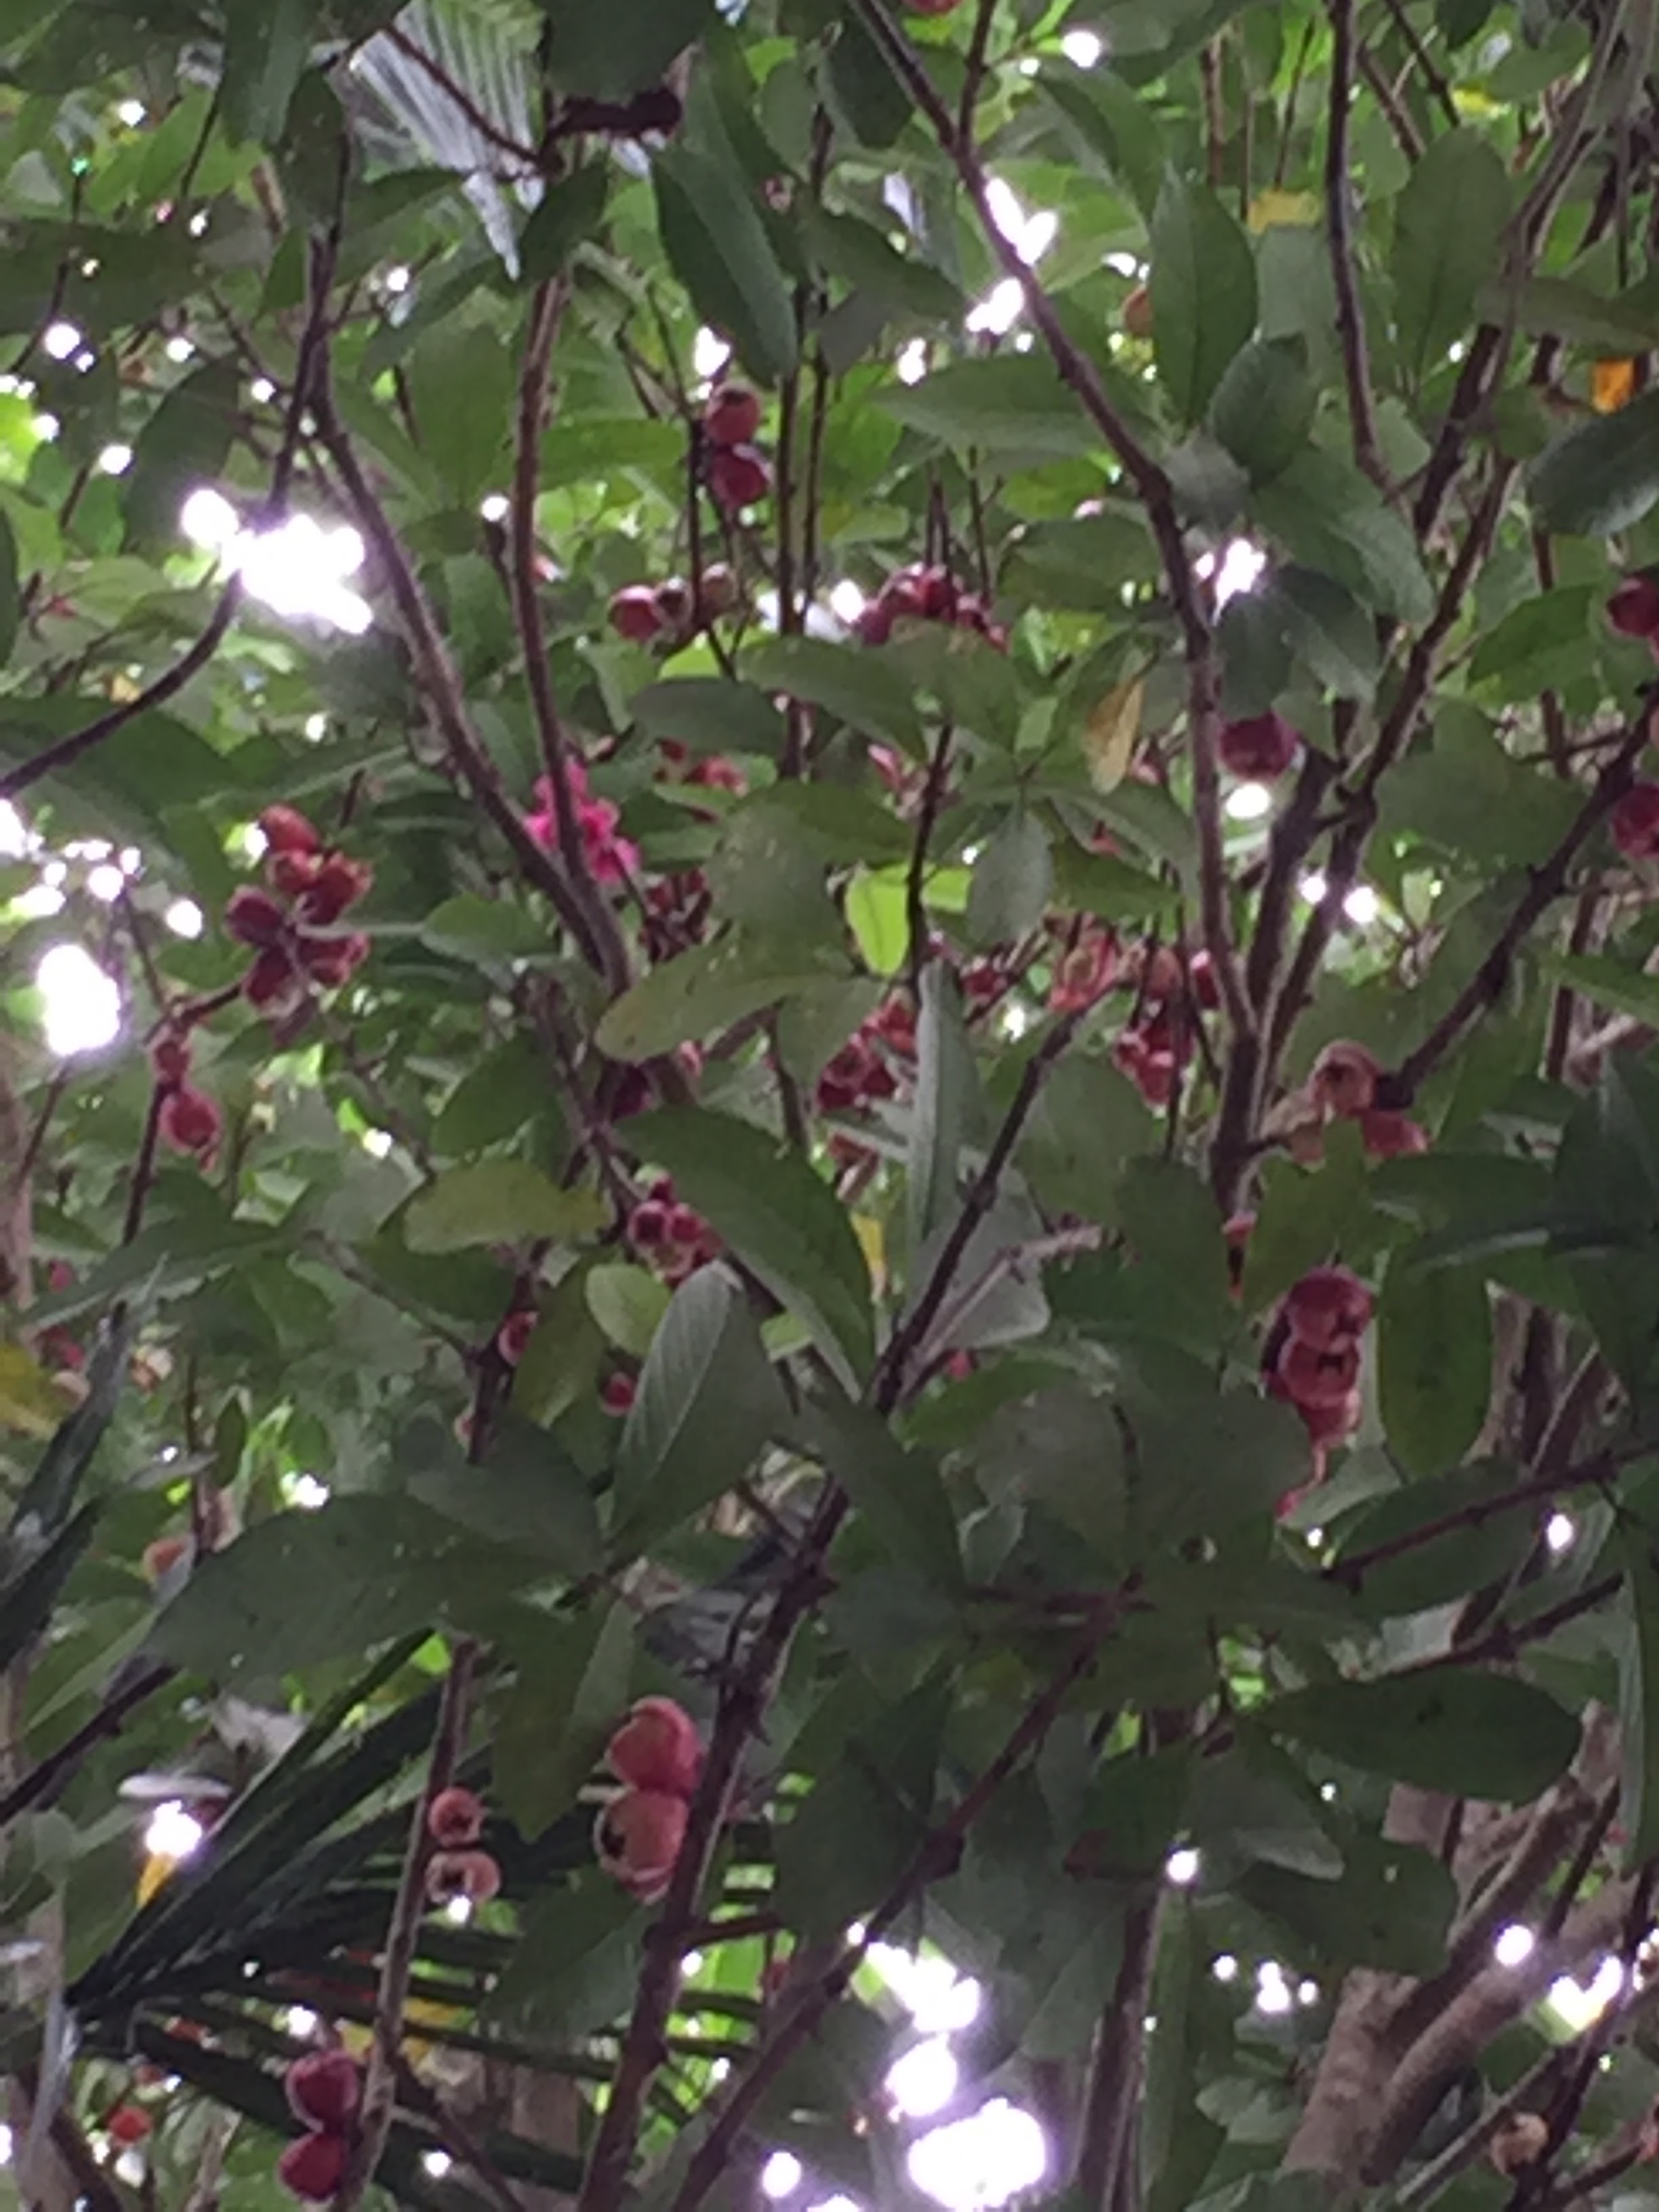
[(122, 690), (1612, 386), (30, 1401), (1271, 208), (1111, 733), (873, 1244), (153, 1872)]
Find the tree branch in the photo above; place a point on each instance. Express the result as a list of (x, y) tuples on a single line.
[(403, 1934), (1350, 310)]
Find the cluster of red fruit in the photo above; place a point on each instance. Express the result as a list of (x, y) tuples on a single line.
[(128, 2125), (291, 926), (668, 614), (611, 859), (860, 1074), (458, 1869), (325, 2090), (1258, 748), (1154, 1048), (1313, 1351), (927, 595), (1085, 971), (187, 1119), (737, 473), (1633, 612), (657, 1756), (673, 1239), (1344, 1088)]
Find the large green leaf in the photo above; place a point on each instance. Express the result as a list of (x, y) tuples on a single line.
[(1459, 1729), (498, 1202), (707, 1401), (1434, 1356), (1334, 521), (713, 235), (623, 47), (1012, 403), (1602, 475), (863, 690), (700, 992), (183, 447), (897, 1491), (1204, 292), (779, 1216), (267, 45), (1442, 259)]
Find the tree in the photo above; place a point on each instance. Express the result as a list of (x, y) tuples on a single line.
[(827, 1108)]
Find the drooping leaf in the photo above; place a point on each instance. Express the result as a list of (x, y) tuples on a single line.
[(1204, 292), (267, 44), (1011, 881), (1263, 407), (865, 691), (781, 1219), (1457, 1729), (1438, 265), (609, 52), (1434, 1363), (1600, 476), (714, 236), (181, 447), (697, 992), (941, 1112), (897, 1491), (706, 1402), (498, 1201), (1112, 732)]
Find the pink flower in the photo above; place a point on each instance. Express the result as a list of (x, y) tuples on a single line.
[(611, 859)]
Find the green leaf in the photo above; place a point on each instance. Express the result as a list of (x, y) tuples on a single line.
[(1600, 476), (1455, 1729), (714, 239), (573, 1970), (943, 1109), (10, 589), (1542, 642), (1389, 1908), (28, 1595), (1608, 982), (1010, 404), (1263, 407), (710, 715), (1485, 1548), (1637, 1634), (1434, 1359), (498, 1202), (527, 1493), (570, 213), (862, 255), (707, 1401), (1332, 520), (570, 1690), (697, 992), (494, 1100), (1115, 133), (864, 690), (1012, 882), (781, 1219), (460, 379), (1204, 294), (184, 444), (862, 89), (267, 46), (489, 933), (623, 47), (1442, 258), (898, 1492), (628, 1304), (1329, 629)]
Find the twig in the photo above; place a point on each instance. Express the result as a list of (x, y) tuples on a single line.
[(1419, 53), (915, 909), (403, 1934), (44, 1779), (978, 46), (1352, 1572), (1116, 2071), (1548, 881), (939, 1853), (601, 939), (1350, 311)]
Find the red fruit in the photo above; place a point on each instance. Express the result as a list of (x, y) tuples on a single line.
[(270, 984), (637, 1838), (190, 1123), (685, 1225), (1390, 1136), (1152, 1068), (324, 2089), (332, 960), (931, 7), (253, 917), (732, 416), (648, 1225), (338, 883), (1161, 978), (169, 1059), (292, 873), (739, 477), (636, 614), (1201, 976), (936, 594), (472, 1875), (455, 1818), (1331, 1424), (1329, 1308), (1633, 607), (1310, 1376), (617, 1394), (128, 2124), (286, 831), (165, 1553), (60, 1275), (515, 1334), (1636, 822), (313, 2168), (1344, 1079), (1259, 748), (657, 1748), (721, 589)]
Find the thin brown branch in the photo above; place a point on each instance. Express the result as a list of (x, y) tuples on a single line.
[(1116, 2069), (1339, 224), (403, 1934), (43, 1781), (602, 939), (937, 1855)]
